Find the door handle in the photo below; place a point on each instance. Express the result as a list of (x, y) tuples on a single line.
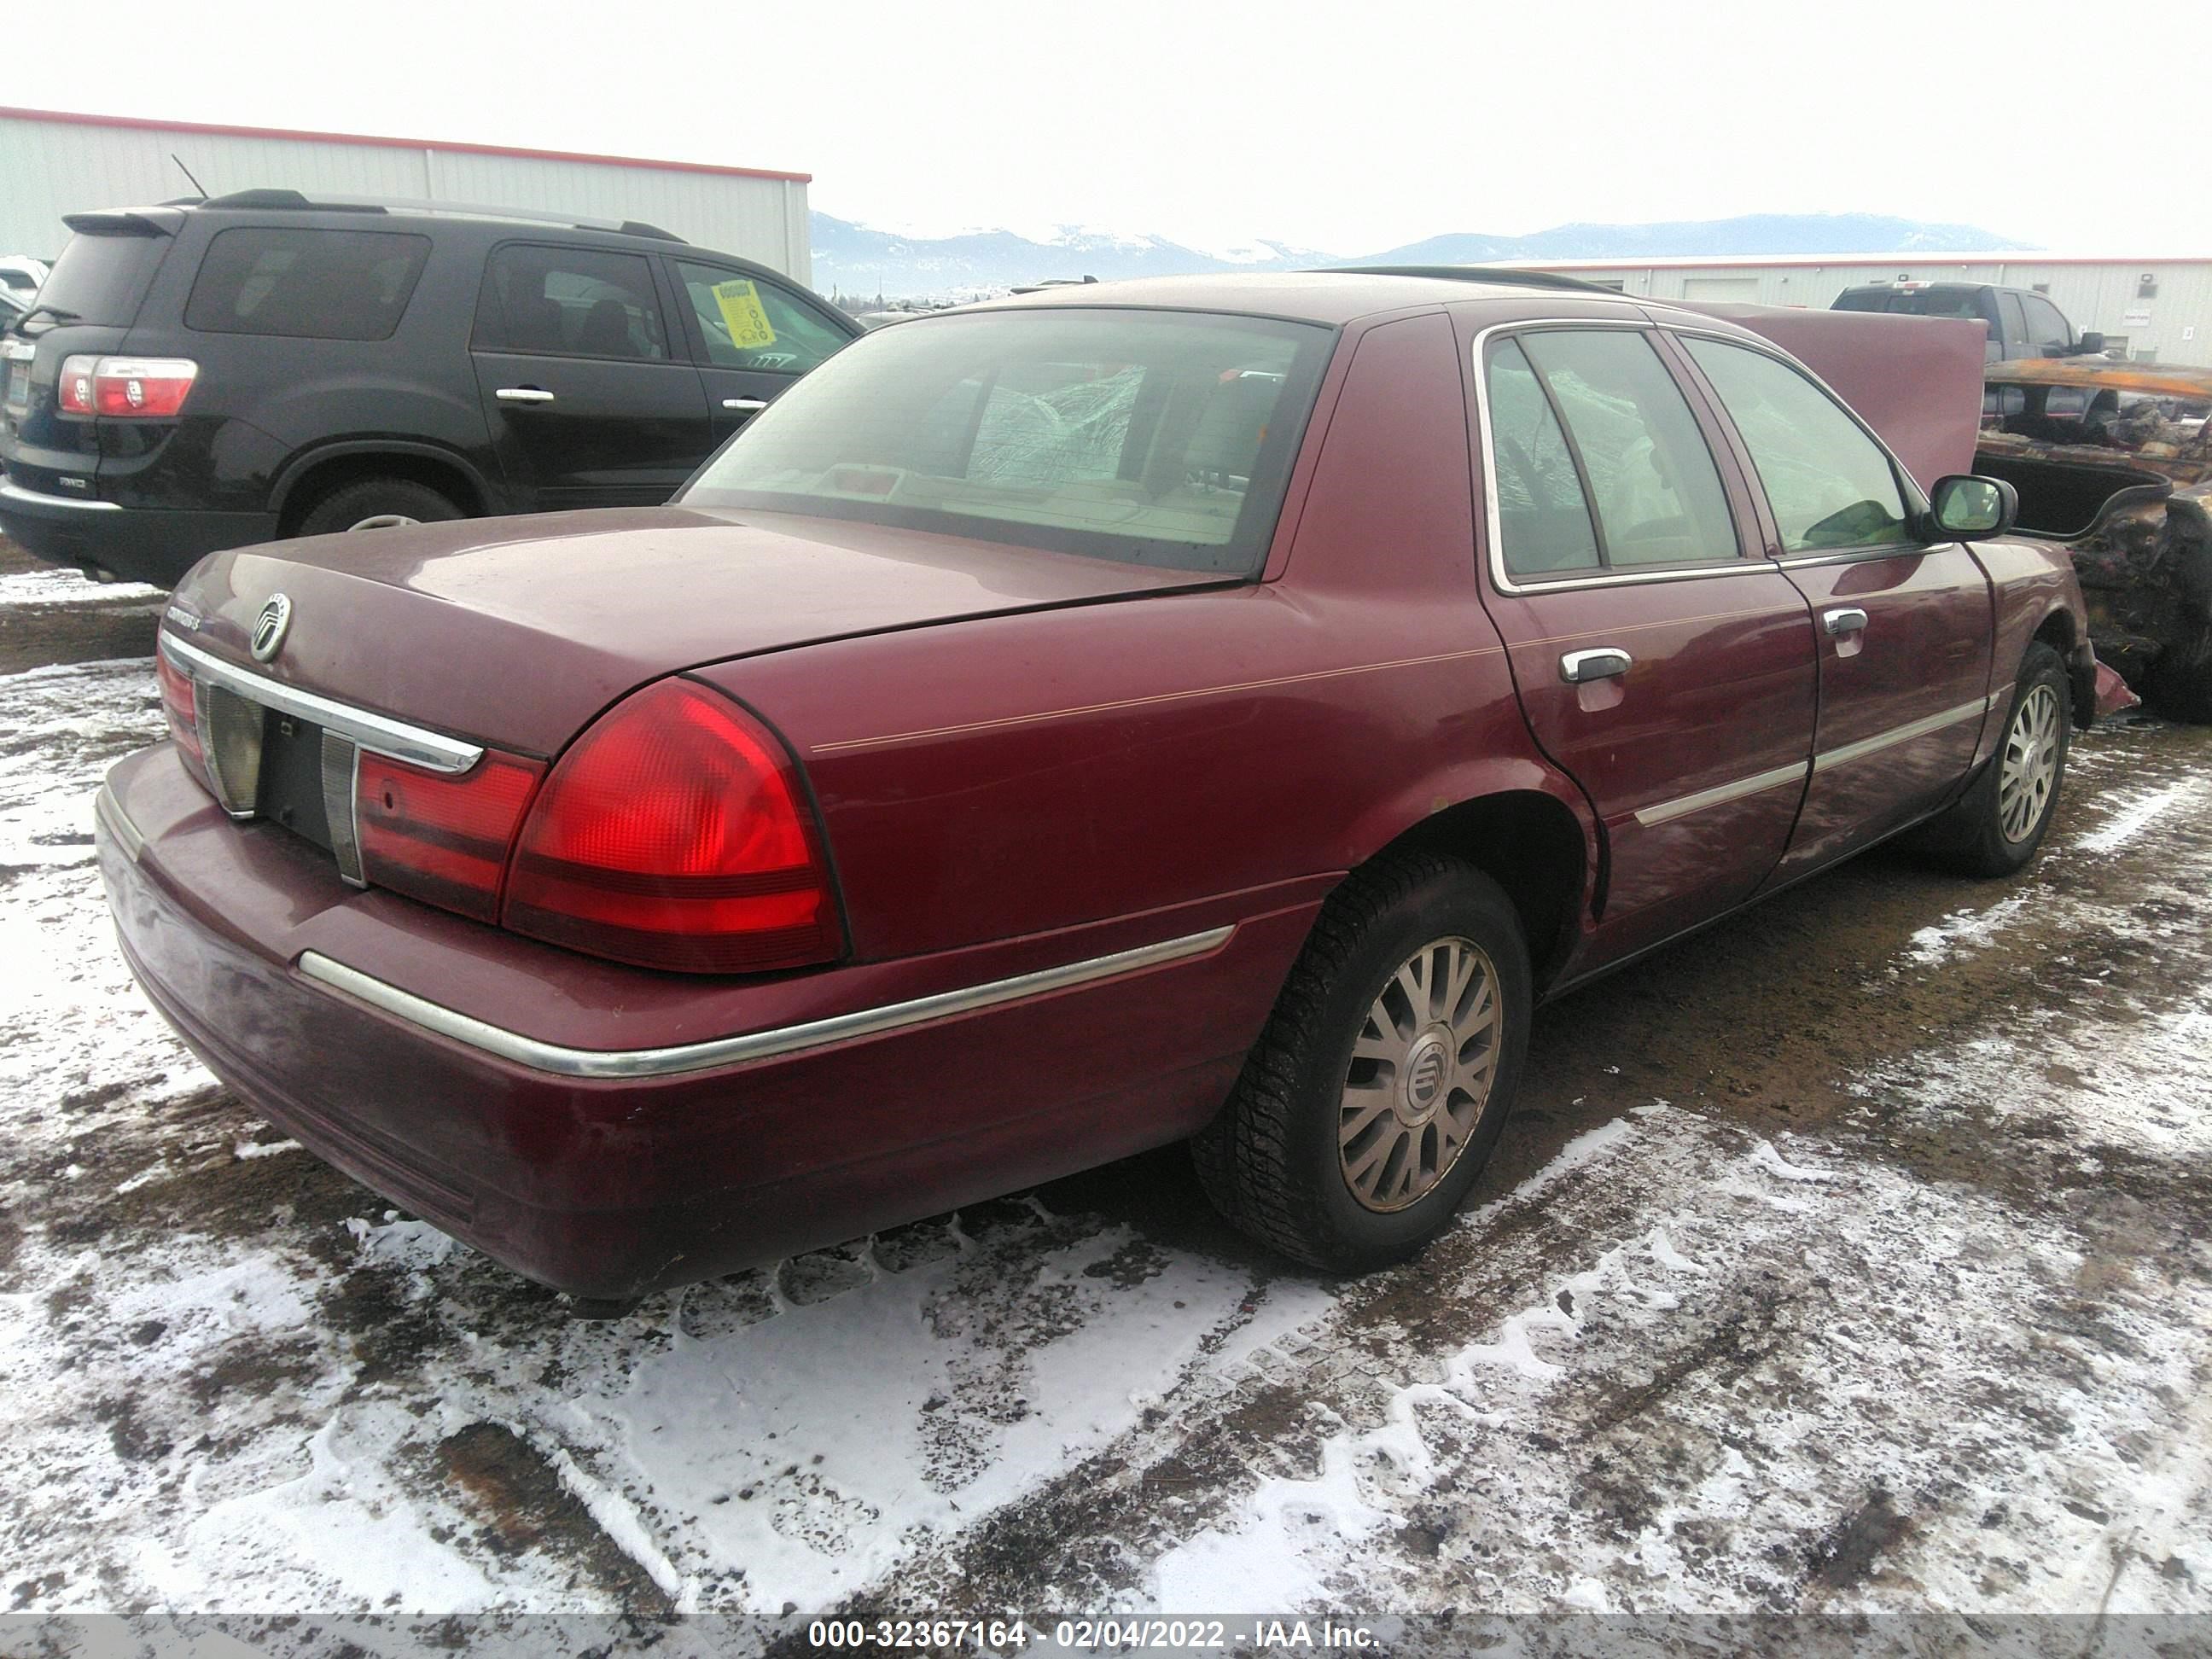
[(1607, 662), (745, 405), (1843, 621), (523, 394)]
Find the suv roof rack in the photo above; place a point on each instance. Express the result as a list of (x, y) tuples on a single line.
[(1508, 275), (257, 201)]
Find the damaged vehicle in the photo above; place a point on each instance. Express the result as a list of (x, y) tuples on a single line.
[(1213, 709), (2114, 460)]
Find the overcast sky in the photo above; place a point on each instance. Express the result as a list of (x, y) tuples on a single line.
[(1347, 128)]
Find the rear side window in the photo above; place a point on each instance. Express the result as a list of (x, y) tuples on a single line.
[(1658, 495), (570, 302), (101, 277), (749, 324), (1543, 522), (305, 284), (1830, 485)]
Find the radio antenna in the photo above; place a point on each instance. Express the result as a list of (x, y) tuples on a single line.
[(187, 172)]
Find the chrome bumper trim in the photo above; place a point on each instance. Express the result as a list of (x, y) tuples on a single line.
[(1667, 811), (1906, 733), (603, 1063), (432, 752), (109, 810), (12, 491)]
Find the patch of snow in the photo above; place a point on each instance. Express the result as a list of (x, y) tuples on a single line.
[(2137, 816), (1965, 930), (54, 585)]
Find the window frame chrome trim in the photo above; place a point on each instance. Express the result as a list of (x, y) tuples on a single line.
[(1759, 783), (1916, 501), (1495, 552), (621, 1064), (379, 734)]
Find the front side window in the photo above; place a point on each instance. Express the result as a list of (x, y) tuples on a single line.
[(749, 324), (1830, 485), (2046, 329), (570, 302), (1147, 437), (305, 284)]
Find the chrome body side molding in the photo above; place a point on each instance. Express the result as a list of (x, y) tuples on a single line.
[(615, 1063), (1667, 811)]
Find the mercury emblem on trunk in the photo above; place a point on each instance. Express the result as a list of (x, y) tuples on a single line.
[(269, 628)]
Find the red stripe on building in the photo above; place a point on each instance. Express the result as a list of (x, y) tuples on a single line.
[(75, 118)]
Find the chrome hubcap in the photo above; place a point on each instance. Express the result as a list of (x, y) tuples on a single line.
[(2029, 767), (383, 521), (1420, 1074)]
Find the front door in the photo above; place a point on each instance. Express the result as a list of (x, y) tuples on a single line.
[(1904, 626), (1660, 663), (751, 337), (589, 401)]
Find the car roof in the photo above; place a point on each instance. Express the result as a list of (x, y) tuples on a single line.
[(1333, 297)]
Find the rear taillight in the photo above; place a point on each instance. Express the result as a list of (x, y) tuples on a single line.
[(675, 834), (129, 388), (439, 838), (178, 703)]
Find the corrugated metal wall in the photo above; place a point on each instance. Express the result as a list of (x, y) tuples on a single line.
[(52, 167), (2172, 325)]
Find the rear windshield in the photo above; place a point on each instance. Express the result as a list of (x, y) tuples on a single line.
[(1916, 302), (100, 278), (1156, 438), (305, 284)]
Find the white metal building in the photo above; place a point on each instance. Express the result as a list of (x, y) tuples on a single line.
[(2150, 310), (53, 162)]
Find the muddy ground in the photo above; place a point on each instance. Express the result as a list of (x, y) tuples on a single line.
[(1852, 1256)]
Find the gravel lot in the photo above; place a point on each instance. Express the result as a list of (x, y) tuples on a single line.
[(1851, 1257)]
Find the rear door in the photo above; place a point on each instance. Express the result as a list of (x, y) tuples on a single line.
[(1904, 626), (750, 335), (589, 394), (1660, 662)]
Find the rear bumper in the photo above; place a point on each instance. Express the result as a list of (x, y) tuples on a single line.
[(139, 545), (610, 1186)]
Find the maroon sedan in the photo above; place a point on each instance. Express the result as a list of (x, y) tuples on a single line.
[(1214, 709)]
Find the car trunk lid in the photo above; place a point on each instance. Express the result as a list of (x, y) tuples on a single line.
[(516, 632)]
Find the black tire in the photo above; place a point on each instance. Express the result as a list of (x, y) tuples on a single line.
[(1972, 837), (352, 505), (1271, 1161)]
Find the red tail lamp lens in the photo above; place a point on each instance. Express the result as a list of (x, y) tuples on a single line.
[(674, 834), (183, 711), (439, 838)]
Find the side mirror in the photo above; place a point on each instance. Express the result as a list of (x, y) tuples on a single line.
[(2092, 346), (1967, 507)]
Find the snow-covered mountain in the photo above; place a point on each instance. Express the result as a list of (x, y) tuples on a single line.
[(860, 260)]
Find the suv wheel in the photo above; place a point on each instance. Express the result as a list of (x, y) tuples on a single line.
[(378, 504), (1376, 1093)]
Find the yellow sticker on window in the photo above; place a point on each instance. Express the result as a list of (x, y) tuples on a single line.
[(744, 315)]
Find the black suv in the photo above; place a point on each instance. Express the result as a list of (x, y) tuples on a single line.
[(204, 374)]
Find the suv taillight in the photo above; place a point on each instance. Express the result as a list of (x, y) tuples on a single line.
[(128, 388), (675, 834)]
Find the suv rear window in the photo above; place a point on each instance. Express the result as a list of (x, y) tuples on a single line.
[(305, 284), (102, 275), (1147, 437)]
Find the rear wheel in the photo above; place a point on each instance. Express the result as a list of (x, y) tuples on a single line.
[(1384, 1075), (1997, 824), (378, 504)]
